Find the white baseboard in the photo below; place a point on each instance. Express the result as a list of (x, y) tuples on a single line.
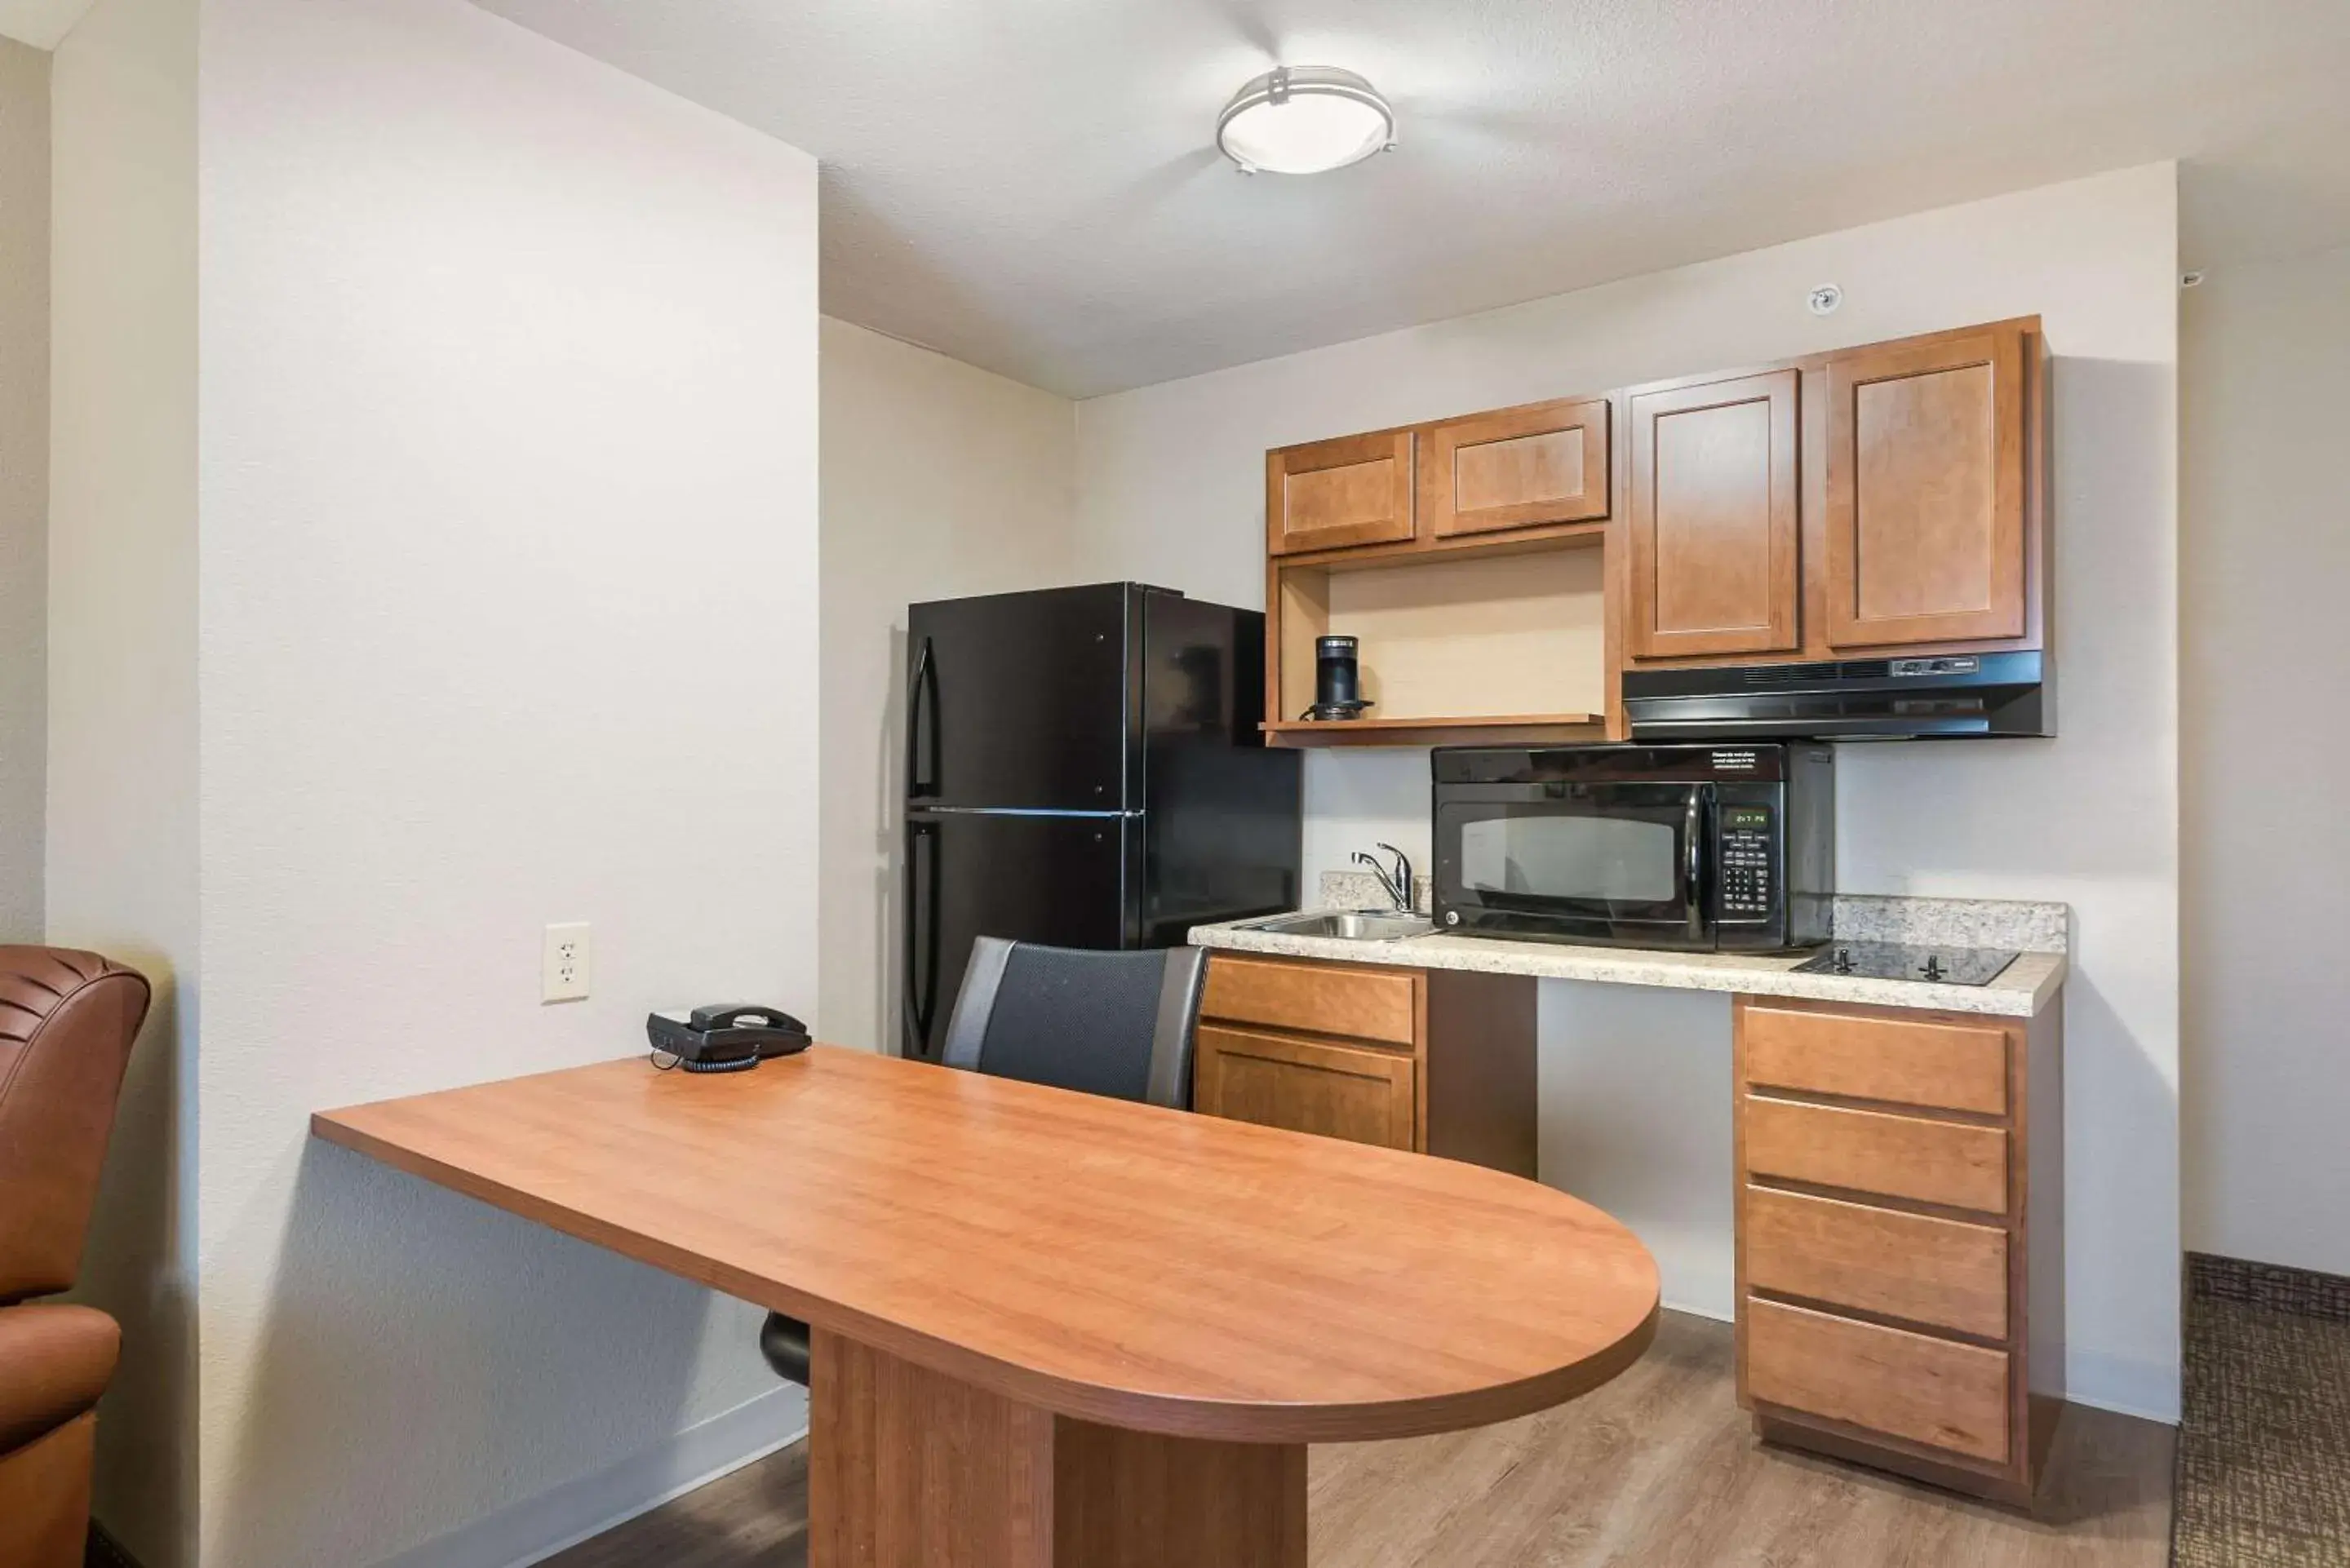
[(538, 1527), (2123, 1385), (1711, 1310)]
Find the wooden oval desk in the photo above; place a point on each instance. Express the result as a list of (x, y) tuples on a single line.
[(1053, 1331)]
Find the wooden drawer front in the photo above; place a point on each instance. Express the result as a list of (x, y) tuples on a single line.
[(1932, 1391), (1952, 1163), (1944, 1272), (1355, 490), (1323, 999), (1911, 1062), (1514, 469), (1359, 1093)]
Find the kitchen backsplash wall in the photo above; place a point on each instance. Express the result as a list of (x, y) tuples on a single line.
[(1355, 799)]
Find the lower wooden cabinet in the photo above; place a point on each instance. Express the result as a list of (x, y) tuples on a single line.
[(1924, 1059), (1958, 1165), (1900, 1254), (1430, 1060), (1352, 1000), (1361, 1093), (1934, 1392), (1922, 1268)]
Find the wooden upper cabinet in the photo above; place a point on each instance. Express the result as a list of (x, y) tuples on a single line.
[(1713, 519), (1926, 528), (1355, 490), (1515, 468)]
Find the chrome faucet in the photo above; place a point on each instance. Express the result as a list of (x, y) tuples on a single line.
[(1395, 880)]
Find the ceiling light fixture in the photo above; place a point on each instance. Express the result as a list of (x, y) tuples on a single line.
[(1304, 120)]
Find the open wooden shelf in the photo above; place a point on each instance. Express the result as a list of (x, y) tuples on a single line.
[(1483, 729), (1456, 645)]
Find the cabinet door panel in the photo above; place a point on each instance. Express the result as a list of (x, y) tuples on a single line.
[(1355, 490), (1713, 519), (1926, 534), (1516, 469), (1359, 1093)]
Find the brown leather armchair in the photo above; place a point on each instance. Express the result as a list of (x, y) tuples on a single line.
[(66, 1021)]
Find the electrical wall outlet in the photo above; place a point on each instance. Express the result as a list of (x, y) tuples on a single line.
[(563, 963)]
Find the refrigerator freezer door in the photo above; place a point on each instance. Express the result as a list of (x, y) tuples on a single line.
[(1222, 836), (1062, 880), (1202, 672), (1227, 844), (1023, 701)]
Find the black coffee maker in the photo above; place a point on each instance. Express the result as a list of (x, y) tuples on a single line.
[(1337, 679)]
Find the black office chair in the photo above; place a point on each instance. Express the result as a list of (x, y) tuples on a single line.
[(1120, 1025)]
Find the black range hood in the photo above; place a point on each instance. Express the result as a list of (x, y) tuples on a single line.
[(1941, 696)]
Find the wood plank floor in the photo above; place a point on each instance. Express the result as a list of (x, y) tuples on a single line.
[(1658, 1469)]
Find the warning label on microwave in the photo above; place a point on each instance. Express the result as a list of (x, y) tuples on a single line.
[(1733, 761)]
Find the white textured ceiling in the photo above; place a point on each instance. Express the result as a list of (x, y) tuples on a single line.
[(40, 23), (1029, 185)]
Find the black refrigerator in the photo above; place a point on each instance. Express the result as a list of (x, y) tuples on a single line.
[(1083, 767)]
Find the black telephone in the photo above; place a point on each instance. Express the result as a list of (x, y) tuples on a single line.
[(726, 1037)]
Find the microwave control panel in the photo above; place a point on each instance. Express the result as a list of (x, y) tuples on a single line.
[(1745, 845)]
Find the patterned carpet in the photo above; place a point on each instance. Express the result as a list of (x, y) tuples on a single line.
[(2264, 1445)]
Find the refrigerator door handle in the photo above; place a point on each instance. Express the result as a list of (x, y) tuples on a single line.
[(920, 999), (917, 783)]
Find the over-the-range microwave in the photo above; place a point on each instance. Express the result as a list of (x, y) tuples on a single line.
[(1727, 848)]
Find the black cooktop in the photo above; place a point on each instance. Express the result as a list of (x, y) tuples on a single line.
[(1899, 961)]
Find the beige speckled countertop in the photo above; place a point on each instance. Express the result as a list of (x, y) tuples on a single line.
[(2026, 986)]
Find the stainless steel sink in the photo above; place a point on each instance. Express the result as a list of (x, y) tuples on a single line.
[(1347, 925)]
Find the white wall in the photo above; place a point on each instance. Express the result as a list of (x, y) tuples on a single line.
[(509, 573), (940, 481), (24, 480), (2267, 553), (1170, 491), (1633, 1086), (122, 828)]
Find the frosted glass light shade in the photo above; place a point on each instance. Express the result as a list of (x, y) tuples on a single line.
[(1304, 119)]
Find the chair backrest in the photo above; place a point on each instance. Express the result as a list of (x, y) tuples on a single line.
[(67, 1022), (1114, 1023)]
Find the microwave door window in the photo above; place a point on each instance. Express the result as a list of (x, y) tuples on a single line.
[(1604, 861), (1536, 861)]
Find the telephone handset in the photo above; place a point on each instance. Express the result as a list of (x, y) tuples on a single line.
[(724, 1037)]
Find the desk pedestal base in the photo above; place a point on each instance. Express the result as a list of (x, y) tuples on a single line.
[(910, 1468)]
